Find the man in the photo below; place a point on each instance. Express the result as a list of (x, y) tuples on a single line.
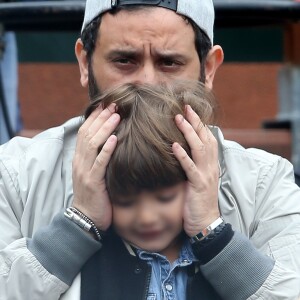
[(43, 250)]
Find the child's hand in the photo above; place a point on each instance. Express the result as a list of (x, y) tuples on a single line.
[(89, 167), (202, 170)]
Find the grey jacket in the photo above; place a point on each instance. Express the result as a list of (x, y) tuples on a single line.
[(41, 252)]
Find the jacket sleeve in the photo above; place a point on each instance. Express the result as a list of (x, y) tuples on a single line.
[(43, 267), (267, 264), (44, 264), (23, 277)]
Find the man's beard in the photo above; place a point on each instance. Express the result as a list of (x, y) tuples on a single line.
[(94, 90), (202, 73)]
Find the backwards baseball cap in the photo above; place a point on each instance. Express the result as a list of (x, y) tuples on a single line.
[(200, 11)]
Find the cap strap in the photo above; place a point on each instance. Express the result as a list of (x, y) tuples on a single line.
[(170, 4)]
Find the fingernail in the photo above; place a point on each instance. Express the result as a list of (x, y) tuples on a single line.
[(112, 138), (112, 107), (180, 118), (176, 145), (113, 118)]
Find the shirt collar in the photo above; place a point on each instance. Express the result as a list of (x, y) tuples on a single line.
[(186, 255)]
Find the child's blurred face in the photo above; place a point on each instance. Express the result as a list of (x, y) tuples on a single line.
[(150, 220)]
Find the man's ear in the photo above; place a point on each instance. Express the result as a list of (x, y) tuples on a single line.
[(214, 59), (83, 63)]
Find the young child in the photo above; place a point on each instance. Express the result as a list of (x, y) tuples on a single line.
[(147, 254)]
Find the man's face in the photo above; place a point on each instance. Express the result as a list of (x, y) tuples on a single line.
[(151, 46), (151, 221)]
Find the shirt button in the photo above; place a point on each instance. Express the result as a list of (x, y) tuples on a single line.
[(169, 287)]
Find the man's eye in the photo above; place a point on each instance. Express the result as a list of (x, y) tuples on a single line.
[(169, 62), (122, 61)]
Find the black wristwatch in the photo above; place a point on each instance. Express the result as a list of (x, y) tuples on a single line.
[(209, 232)]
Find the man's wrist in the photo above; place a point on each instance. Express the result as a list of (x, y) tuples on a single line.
[(206, 247), (80, 219), (209, 230)]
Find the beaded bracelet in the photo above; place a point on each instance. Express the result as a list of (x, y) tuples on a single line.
[(82, 221)]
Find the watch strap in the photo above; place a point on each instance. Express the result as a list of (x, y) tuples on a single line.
[(208, 248), (209, 230)]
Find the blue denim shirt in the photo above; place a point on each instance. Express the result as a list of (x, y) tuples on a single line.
[(168, 281)]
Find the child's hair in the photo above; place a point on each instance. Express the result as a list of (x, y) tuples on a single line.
[(143, 158)]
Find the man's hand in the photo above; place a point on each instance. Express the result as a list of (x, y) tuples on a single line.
[(202, 170), (89, 167)]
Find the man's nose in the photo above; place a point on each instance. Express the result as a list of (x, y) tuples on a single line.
[(148, 75)]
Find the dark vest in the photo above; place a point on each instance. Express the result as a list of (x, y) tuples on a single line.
[(114, 274)]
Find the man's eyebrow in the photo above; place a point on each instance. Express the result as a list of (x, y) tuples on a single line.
[(169, 55), (136, 54), (123, 53)]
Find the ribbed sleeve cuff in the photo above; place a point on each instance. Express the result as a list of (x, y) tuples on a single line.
[(239, 270), (62, 248)]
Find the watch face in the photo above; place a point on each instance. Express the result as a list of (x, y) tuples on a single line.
[(209, 232)]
